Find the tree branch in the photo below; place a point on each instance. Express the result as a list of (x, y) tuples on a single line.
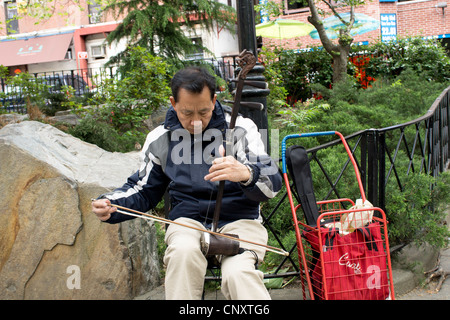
[(333, 9), (315, 20)]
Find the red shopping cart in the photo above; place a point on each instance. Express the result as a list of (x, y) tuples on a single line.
[(343, 253)]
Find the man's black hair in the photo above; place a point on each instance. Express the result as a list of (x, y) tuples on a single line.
[(193, 79)]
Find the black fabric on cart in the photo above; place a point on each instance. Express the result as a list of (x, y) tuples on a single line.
[(300, 172)]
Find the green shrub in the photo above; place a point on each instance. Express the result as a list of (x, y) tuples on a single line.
[(414, 215), (105, 136), (386, 103), (424, 56), (302, 115), (98, 133), (410, 94), (128, 101), (417, 213), (290, 73), (141, 88), (32, 90)]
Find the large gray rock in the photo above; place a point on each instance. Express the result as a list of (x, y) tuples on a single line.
[(51, 245), (78, 161)]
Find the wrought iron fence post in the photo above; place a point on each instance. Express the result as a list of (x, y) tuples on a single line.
[(363, 160), (376, 168), (441, 137), (444, 132), (381, 171), (435, 152), (446, 142), (372, 167)]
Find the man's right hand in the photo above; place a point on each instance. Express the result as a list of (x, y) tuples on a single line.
[(103, 209)]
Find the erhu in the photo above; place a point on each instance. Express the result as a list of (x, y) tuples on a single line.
[(213, 245)]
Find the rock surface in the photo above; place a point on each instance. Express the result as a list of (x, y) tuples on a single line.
[(51, 245)]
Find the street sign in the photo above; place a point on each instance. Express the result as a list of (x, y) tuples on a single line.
[(82, 55)]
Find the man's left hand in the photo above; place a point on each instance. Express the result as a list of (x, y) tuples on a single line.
[(227, 168)]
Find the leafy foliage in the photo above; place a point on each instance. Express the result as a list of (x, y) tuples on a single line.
[(99, 133), (299, 76), (278, 93), (157, 27), (296, 71), (383, 105), (301, 116), (127, 101), (416, 214), (419, 212), (425, 56), (143, 88), (31, 89)]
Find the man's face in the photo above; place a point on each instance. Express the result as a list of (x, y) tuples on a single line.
[(194, 109)]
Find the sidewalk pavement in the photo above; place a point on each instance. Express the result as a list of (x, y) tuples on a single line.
[(423, 291), (407, 284), (429, 292)]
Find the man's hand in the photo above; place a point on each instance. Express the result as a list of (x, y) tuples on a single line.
[(227, 168), (102, 209)]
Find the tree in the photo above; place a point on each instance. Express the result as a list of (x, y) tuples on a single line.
[(158, 25), (338, 51)]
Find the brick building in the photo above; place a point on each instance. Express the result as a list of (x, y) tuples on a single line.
[(70, 39), (427, 18), (73, 37)]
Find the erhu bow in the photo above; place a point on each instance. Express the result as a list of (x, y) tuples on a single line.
[(147, 216)]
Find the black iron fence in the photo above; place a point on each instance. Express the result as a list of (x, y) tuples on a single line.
[(224, 67), (385, 157), (390, 154), (13, 95)]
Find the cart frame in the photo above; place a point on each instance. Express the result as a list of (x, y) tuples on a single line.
[(328, 209)]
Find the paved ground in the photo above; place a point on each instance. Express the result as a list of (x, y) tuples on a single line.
[(407, 285), (428, 291)]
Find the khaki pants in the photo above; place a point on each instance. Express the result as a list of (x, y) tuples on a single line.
[(186, 265)]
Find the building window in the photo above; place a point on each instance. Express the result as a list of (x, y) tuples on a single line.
[(68, 55), (294, 6), (94, 13), (98, 52), (12, 23)]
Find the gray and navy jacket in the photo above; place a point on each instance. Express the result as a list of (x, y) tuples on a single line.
[(176, 161)]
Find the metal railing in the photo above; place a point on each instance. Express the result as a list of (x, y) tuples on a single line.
[(13, 96), (385, 157), (87, 80), (224, 67)]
